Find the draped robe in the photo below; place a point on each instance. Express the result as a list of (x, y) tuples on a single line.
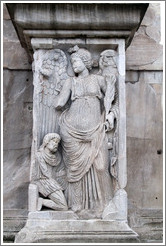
[(84, 144)]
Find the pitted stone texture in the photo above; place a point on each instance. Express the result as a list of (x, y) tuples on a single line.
[(145, 52), (148, 223), (53, 215), (18, 91), (117, 207), (144, 138), (152, 14), (145, 113), (69, 231), (13, 222), (9, 34), (14, 56), (132, 77), (152, 22), (145, 180), (17, 137), (5, 13), (16, 178)]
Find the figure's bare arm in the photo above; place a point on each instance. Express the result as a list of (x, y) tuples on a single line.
[(107, 85), (64, 95), (102, 83)]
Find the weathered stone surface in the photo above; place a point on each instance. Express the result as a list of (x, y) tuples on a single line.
[(51, 231), (18, 59), (148, 223), (132, 76), (117, 20), (18, 91), (139, 55), (144, 178), (14, 56), (16, 178), (17, 137), (145, 52), (144, 113), (117, 207), (153, 33), (153, 13), (6, 15), (53, 215), (13, 221), (151, 77), (9, 33), (144, 138)]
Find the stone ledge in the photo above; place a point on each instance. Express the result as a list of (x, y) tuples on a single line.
[(13, 222), (38, 230), (148, 223)]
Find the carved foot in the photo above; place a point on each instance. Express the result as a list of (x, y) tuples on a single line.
[(76, 208), (50, 204)]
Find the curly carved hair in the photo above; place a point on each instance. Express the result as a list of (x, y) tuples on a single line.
[(50, 136), (83, 54)]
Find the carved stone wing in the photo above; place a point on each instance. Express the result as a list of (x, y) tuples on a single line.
[(50, 75), (53, 73)]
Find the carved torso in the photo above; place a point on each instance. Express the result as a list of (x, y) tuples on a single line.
[(86, 87), (85, 110)]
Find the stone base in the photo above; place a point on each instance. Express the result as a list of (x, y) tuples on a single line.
[(13, 221), (64, 227)]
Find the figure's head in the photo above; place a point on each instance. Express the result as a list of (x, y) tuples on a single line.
[(80, 58), (107, 58), (51, 141)]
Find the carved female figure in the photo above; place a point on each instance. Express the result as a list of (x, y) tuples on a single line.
[(83, 136)]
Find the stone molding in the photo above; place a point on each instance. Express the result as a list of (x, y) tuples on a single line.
[(13, 222), (120, 20), (15, 219), (72, 230)]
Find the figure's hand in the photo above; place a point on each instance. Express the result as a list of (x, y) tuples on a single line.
[(109, 121), (110, 78), (58, 105)]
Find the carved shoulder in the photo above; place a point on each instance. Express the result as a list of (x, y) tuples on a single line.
[(101, 82), (68, 84)]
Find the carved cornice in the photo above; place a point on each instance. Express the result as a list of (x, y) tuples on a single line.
[(75, 20)]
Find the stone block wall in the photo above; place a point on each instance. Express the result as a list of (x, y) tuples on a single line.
[(144, 92), (144, 128), (17, 129)]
